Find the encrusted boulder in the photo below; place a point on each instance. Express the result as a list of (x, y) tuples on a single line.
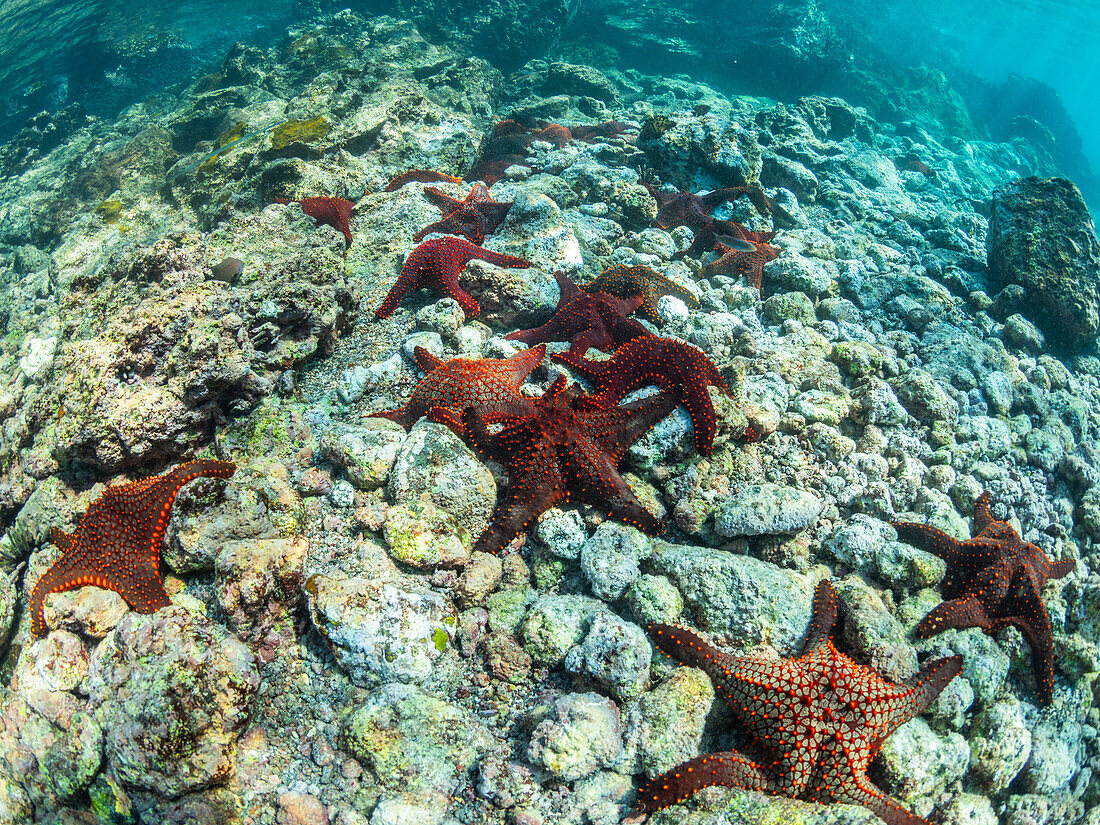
[(172, 692), (1042, 238)]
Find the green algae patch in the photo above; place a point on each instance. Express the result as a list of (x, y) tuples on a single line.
[(299, 131), (413, 742), (424, 536), (109, 211)]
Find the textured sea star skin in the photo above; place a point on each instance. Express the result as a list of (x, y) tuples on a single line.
[(336, 212), (629, 281), (567, 449), (817, 720), (585, 320), (117, 543), (489, 385), (993, 580), (475, 216), (672, 365), (740, 262), (419, 176), (437, 263)]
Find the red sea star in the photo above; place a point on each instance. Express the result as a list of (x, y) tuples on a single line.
[(475, 216), (585, 320), (993, 580), (336, 212), (687, 209), (437, 264), (817, 721), (420, 176), (117, 543), (741, 257), (630, 281), (667, 363), (567, 449), (489, 385), (706, 240)]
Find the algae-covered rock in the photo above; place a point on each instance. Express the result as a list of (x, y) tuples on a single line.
[(615, 655), (380, 630), (919, 762), (669, 720), (1042, 237), (258, 584), (580, 735), (766, 509), (366, 453), (413, 742), (1000, 745), (426, 537), (610, 558), (433, 463), (172, 692), (555, 624), (748, 599)]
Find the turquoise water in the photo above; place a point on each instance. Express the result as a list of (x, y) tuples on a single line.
[(1007, 59)]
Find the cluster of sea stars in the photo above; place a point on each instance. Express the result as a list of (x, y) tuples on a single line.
[(740, 251)]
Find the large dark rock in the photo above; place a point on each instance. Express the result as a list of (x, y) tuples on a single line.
[(1042, 238), (507, 33)]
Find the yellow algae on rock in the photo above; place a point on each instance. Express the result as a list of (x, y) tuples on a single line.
[(299, 131)]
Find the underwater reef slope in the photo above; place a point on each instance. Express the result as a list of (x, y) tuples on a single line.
[(437, 585)]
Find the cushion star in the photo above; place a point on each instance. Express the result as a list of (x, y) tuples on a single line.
[(738, 256), (693, 211), (567, 449), (585, 320), (993, 580), (475, 216), (816, 721), (667, 363), (336, 212), (117, 543), (489, 385), (629, 281), (437, 263)]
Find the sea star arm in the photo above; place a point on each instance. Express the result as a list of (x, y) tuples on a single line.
[(1058, 569), (983, 517), (963, 612), (445, 202), (824, 616), (884, 807), (729, 769), (931, 540), (601, 486)]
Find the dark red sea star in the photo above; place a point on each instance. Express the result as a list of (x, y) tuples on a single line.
[(600, 131), (336, 212), (489, 385), (567, 449), (737, 260), (475, 216), (585, 320), (437, 263), (705, 241), (668, 363), (993, 580), (491, 170), (419, 176), (630, 281), (691, 210), (117, 543), (816, 721)]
